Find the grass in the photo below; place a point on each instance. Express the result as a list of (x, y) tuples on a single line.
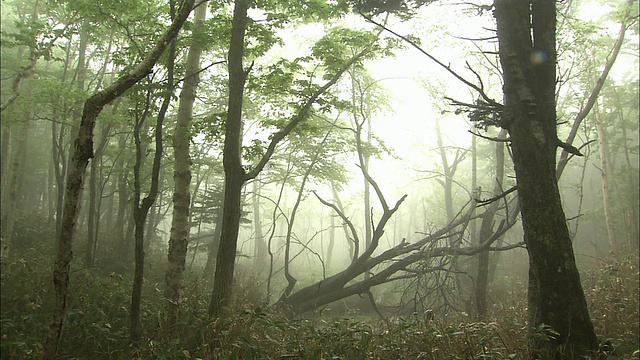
[(97, 322)]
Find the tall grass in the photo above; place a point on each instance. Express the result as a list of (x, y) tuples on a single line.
[(97, 322)]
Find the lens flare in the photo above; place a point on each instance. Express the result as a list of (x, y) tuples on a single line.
[(539, 57)]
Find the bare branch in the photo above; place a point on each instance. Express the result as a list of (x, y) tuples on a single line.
[(446, 67), (300, 116), (496, 198), (490, 137), (346, 220)]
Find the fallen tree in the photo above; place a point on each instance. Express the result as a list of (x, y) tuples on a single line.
[(394, 264)]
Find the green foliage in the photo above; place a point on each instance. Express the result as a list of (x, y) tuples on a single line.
[(401, 8), (341, 44), (286, 12)]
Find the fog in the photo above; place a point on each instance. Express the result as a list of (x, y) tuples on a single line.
[(370, 154)]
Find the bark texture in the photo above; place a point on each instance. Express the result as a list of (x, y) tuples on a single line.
[(232, 163), (182, 175), (527, 49), (82, 152)]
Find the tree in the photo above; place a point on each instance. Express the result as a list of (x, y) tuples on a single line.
[(17, 162), (486, 230), (235, 174), (83, 151), (141, 208), (182, 173), (36, 51), (527, 50)]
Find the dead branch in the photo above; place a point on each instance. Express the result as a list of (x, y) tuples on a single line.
[(496, 198)]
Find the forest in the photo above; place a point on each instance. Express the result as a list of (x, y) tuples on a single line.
[(342, 179)]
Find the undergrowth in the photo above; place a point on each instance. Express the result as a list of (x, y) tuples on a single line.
[(97, 321)]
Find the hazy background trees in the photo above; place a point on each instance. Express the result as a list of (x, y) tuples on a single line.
[(393, 118)]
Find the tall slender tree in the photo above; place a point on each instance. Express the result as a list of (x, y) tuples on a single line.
[(235, 174), (82, 152), (141, 208), (182, 172), (486, 230)]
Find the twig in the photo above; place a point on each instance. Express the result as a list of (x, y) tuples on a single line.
[(496, 198)]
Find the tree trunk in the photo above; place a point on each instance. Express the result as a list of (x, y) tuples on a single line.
[(593, 96), (632, 184), (212, 251), (291, 280), (82, 152), (260, 254), (60, 168), (192, 206), (232, 162), (332, 240), (153, 215), (141, 209), (352, 243), (363, 158), (473, 225), (123, 197), (17, 167), (7, 153), (92, 226), (449, 172), (556, 297), (235, 176), (605, 173), (182, 174), (486, 230)]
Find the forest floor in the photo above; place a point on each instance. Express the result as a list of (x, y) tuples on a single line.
[(97, 321)]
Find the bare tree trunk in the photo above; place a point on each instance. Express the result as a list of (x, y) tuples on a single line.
[(182, 174), (17, 167), (449, 172), (291, 281), (473, 226), (235, 176), (60, 168), (59, 161), (363, 156), (605, 173), (260, 254), (232, 162), (486, 230), (212, 251), (7, 153), (332, 240), (92, 226), (632, 201), (123, 197), (556, 298), (83, 151), (141, 209), (275, 215), (153, 215)]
